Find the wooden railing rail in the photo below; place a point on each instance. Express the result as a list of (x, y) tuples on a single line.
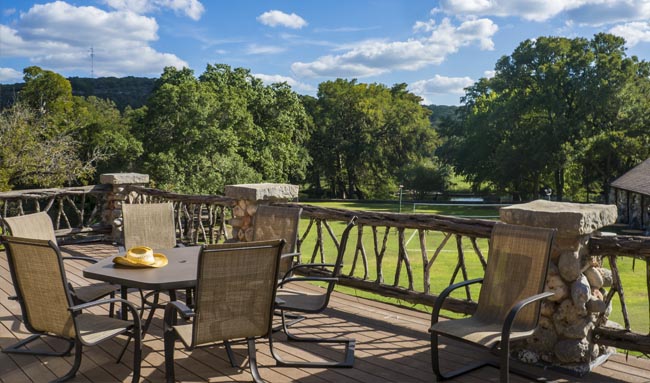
[(622, 246), (199, 218), (73, 210)]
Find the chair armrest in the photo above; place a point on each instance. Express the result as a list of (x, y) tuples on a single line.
[(79, 258), (307, 279), (172, 309), (445, 293), (512, 314), (130, 306), (306, 265)]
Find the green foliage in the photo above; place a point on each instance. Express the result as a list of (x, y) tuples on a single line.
[(35, 153), (224, 127), (550, 114), (366, 135)]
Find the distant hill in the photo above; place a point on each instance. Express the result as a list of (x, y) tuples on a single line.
[(439, 112), (125, 91)]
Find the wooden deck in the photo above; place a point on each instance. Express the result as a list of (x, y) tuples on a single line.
[(392, 346)]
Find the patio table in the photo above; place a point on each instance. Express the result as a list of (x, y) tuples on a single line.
[(179, 273)]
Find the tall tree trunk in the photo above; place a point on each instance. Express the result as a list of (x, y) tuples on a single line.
[(559, 183)]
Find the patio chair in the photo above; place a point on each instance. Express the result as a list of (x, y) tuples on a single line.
[(509, 301), (235, 291), (152, 225), (39, 226), (293, 301), (49, 310), (279, 222)]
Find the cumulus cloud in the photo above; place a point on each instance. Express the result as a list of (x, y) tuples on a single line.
[(371, 58), (296, 85), (589, 12), (633, 33), (8, 75), (440, 85), (58, 35), (276, 18), (190, 8)]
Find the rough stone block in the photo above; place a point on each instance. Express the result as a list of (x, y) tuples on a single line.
[(568, 218), (264, 191), (123, 178)]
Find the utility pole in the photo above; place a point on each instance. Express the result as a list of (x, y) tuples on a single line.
[(92, 62)]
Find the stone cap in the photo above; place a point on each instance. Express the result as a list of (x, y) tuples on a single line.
[(264, 191), (568, 218), (123, 178)]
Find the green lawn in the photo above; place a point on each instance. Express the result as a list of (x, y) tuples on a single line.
[(634, 281)]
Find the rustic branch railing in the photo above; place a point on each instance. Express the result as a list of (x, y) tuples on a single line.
[(73, 210), (622, 246), (199, 218), (381, 225)]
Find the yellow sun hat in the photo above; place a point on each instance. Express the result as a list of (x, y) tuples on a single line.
[(141, 256)]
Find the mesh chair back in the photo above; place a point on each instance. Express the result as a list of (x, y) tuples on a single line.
[(276, 222), (517, 266), (37, 273), (235, 290), (150, 224), (35, 226)]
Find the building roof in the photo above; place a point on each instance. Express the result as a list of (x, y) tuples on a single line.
[(636, 179)]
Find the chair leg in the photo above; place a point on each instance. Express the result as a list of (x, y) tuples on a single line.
[(137, 354), (16, 348), (78, 349), (295, 318), (252, 358), (169, 340), (435, 362), (504, 368), (347, 362), (231, 355)]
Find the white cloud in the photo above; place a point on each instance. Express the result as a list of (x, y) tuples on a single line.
[(58, 36), (424, 26), (8, 75), (440, 85), (190, 8), (256, 49), (296, 85), (633, 33), (371, 58), (588, 12), (489, 73), (275, 18)]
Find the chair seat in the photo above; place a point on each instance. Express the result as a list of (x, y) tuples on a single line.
[(92, 292), (288, 299), (95, 328), (475, 331)]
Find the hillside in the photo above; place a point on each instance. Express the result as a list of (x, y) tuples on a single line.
[(125, 91)]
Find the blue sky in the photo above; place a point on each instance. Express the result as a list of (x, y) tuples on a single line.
[(437, 47)]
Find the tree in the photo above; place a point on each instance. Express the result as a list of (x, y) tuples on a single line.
[(200, 134), (35, 153), (366, 135), (533, 122)]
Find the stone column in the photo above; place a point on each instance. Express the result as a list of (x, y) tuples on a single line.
[(113, 212), (577, 279), (250, 196)]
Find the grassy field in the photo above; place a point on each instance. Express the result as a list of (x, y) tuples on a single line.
[(634, 281)]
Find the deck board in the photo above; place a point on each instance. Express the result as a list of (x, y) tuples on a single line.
[(392, 346)]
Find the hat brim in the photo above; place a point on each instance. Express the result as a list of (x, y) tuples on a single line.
[(160, 260)]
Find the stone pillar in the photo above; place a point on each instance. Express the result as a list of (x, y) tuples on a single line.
[(113, 212), (577, 279), (249, 196)]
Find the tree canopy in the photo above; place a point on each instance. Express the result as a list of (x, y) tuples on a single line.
[(557, 112), (224, 127), (366, 136)]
